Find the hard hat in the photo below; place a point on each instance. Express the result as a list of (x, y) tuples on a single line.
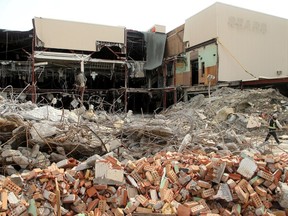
[(274, 115)]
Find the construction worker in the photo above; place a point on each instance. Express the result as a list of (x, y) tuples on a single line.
[(80, 82), (273, 126)]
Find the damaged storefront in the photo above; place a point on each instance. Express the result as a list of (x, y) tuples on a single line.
[(67, 63)]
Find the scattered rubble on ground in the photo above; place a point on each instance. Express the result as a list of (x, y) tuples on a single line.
[(198, 157)]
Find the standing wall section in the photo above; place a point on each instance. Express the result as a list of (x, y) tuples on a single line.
[(251, 41), (250, 44)]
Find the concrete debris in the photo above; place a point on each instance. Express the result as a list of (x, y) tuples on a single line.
[(283, 195), (247, 167), (201, 157), (185, 142), (223, 114)]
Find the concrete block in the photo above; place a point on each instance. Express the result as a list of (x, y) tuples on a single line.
[(101, 168), (283, 201), (67, 163), (224, 193), (115, 176)]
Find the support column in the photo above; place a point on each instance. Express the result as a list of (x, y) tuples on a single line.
[(82, 87), (126, 86), (185, 98), (175, 91), (33, 86), (164, 85)]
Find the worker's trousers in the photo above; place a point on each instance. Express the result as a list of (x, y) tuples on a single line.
[(272, 133)]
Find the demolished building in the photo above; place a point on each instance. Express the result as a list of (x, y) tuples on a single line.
[(66, 63), (202, 157), (116, 63)]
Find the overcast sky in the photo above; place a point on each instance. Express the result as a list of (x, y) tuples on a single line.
[(133, 14)]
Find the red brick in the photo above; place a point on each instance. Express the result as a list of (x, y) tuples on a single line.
[(92, 205), (183, 210), (91, 191)]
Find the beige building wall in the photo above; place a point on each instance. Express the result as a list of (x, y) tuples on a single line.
[(75, 35), (200, 27), (250, 44)]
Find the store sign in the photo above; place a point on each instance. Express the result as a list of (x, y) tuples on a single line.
[(247, 25)]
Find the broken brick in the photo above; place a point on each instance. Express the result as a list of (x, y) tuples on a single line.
[(91, 191), (183, 210)]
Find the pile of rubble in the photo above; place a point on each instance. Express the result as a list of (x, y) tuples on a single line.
[(230, 119), (169, 183), (196, 158)]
